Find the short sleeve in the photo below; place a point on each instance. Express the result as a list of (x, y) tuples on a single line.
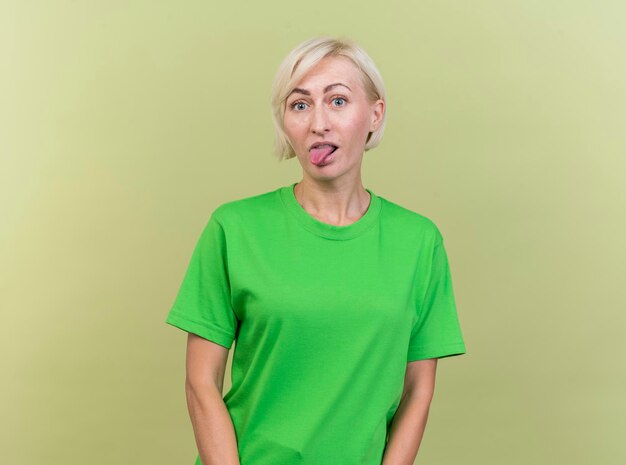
[(437, 333), (203, 303)]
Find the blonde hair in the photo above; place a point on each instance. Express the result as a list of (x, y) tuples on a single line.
[(300, 61)]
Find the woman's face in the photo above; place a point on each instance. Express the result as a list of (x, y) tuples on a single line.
[(329, 105)]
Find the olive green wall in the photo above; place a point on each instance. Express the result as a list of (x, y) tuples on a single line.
[(123, 124)]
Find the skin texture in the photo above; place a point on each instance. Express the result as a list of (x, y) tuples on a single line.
[(333, 194), (409, 421), (213, 428)]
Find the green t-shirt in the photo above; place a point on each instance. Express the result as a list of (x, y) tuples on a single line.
[(325, 319)]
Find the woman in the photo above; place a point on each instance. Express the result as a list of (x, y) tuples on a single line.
[(339, 300)]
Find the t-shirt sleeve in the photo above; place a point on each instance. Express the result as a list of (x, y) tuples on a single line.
[(203, 304), (437, 333)]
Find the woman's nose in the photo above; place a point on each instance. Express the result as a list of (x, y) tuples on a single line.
[(320, 121)]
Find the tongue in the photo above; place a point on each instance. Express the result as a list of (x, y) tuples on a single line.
[(319, 154)]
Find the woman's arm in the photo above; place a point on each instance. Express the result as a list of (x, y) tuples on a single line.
[(212, 425), (409, 421)]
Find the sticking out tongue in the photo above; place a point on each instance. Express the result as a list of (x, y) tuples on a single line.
[(320, 153)]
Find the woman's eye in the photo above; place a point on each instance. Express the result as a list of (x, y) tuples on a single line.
[(293, 105)]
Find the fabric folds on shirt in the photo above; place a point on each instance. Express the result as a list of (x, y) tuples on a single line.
[(323, 319)]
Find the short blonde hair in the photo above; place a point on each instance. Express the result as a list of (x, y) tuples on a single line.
[(300, 61)]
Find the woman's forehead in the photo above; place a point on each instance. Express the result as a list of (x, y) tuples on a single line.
[(329, 72), (334, 65)]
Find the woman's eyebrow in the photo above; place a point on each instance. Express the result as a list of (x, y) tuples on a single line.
[(326, 89)]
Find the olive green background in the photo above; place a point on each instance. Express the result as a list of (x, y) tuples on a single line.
[(124, 124)]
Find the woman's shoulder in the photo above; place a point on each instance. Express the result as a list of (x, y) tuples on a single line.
[(247, 206), (408, 218)]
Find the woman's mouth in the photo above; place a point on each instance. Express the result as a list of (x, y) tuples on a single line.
[(319, 154)]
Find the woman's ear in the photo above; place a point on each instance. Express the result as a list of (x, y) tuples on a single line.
[(379, 111)]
